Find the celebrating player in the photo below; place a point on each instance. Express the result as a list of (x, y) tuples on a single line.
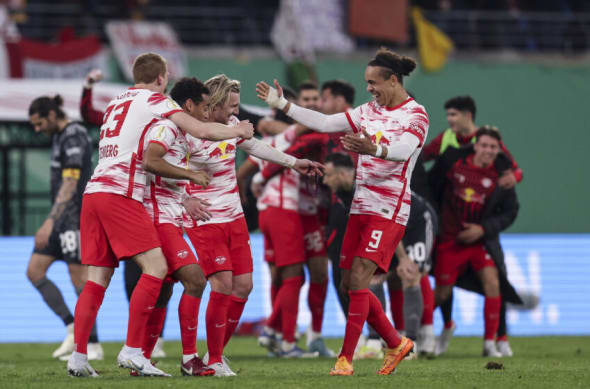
[(59, 236), (388, 135), (223, 242), (114, 223), (475, 208)]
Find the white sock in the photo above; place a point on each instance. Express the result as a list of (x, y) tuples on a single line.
[(287, 346), (70, 328), (186, 358), (132, 350), (79, 358), (269, 330), (314, 335)]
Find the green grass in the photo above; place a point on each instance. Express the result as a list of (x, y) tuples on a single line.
[(544, 362)]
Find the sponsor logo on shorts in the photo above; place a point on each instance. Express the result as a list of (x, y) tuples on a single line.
[(220, 260), (182, 254)]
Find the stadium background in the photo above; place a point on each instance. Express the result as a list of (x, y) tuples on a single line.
[(531, 82)]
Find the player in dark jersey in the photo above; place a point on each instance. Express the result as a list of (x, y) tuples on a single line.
[(475, 208), (58, 237)]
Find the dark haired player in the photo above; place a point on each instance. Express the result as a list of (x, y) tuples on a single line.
[(475, 208), (58, 238), (388, 135)]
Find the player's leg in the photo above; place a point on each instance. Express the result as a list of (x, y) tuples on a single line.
[(37, 275), (426, 335), (316, 299), (241, 258), (373, 348), (79, 276), (156, 319), (491, 286), (396, 300), (292, 279), (502, 335)]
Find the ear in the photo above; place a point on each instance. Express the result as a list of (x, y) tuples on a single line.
[(188, 104)]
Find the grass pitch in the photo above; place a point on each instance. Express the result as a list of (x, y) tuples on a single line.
[(544, 362)]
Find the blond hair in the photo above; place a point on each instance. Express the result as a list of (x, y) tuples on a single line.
[(220, 87), (147, 67)]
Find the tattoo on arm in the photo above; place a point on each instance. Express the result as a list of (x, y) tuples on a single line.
[(66, 191)]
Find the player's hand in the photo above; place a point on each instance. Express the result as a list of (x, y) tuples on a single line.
[(407, 269), (507, 180), (246, 129), (272, 96), (257, 185), (93, 76), (470, 234), (43, 233), (359, 144), (309, 168), (197, 208), (199, 178)]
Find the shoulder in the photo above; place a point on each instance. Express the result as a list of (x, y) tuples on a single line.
[(416, 111), (74, 129)]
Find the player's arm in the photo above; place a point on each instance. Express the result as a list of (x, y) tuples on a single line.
[(269, 126), (432, 149), (401, 150), (64, 195), (154, 162), (266, 152), (308, 117), (507, 212), (512, 176), (210, 130), (245, 170), (88, 113), (407, 269)]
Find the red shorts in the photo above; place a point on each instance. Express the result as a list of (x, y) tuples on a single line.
[(371, 237), (223, 247), (283, 236), (315, 242), (175, 249), (452, 260), (113, 228)]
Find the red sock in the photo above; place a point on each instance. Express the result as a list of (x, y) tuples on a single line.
[(316, 297), (396, 300), (234, 312), (274, 320), (288, 298), (380, 323), (85, 314), (358, 310), (142, 302), (491, 314), (503, 338), (449, 324), (428, 299), (216, 319), (154, 327), (188, 315), (274, 290)]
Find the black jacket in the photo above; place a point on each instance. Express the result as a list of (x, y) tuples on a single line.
[(499, 213)]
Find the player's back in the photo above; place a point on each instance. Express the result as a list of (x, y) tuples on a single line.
[(125, 123)]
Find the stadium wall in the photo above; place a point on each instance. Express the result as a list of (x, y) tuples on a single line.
[(555, 267), (540, 110)]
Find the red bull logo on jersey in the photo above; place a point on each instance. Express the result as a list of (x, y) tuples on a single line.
[(379, 139), (469, 195), (223, 150)]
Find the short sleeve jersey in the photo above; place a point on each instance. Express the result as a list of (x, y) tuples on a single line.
[(122, 135), (217, 158), (383, 187), (71, 149), (163, 196), (282, 190)]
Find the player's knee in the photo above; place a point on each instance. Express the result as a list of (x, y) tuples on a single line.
[(242, 286), (195, 286), (442, 293), (492, 287), (221, 284), (34, 275), (165, 294)]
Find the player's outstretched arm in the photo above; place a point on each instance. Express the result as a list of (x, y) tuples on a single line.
[(265, 151), (308, 117), (212, 131), (154, 162)]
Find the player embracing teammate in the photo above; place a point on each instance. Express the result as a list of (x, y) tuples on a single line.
[(388, 134)]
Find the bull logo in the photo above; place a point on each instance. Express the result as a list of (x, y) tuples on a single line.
[(379, 139), (222, 150), (469, 192)]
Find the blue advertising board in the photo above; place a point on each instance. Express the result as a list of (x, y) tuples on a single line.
[(555, 267)]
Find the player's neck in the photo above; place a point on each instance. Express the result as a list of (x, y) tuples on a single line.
[(151, 87), (479, 163), (61, 124), (397, 99), (469, 130)]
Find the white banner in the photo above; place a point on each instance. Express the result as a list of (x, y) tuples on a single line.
[(130, 38), (17, 94)]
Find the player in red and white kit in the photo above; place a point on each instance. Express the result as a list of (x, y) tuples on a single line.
[(114, 223), (388, 134), (223, 242), (165, 199)]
